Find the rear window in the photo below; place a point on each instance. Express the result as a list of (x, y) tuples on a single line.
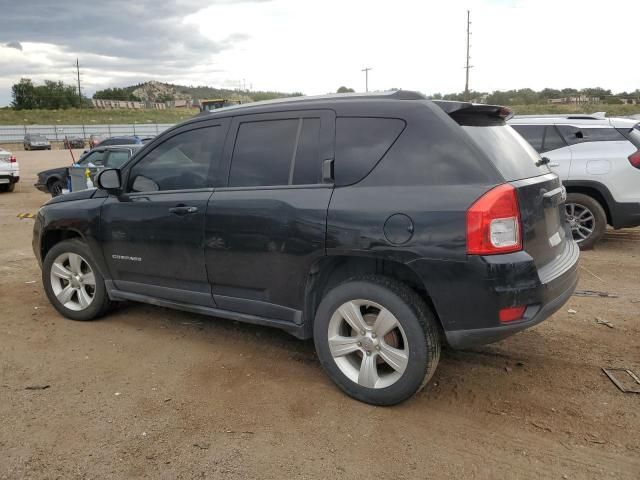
[(510, 153), (632, 134)]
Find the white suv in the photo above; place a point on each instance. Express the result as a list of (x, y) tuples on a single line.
[(598, 160), (9, 171)]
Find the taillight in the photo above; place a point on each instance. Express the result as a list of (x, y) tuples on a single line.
[(12, 159), (493, 223), (511, 314), (634, 159)]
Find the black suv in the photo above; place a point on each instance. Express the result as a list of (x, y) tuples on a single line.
[(380, 225)]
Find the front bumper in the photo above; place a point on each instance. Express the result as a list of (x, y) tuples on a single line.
[(469, 295)]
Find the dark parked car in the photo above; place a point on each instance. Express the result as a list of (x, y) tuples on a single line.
[(379, 225), (73, 142), (94, 140), (33, 141), (54, 180), (123, 140)]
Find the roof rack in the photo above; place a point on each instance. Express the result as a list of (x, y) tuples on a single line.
[(569, 116)]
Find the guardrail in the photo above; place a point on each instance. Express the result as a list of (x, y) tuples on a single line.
[(56, 133)]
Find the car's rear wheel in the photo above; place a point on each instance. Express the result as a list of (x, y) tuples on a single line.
[(55, 187), (586, 218), (377, 339), (72, 282)]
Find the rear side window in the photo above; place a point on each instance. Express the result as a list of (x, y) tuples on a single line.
[(510, 153), (117, 158), (543, 138), (360, 144), (276, 153)]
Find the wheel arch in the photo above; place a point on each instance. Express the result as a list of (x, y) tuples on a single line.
[(329, 271), (597, 191), (54, 236)]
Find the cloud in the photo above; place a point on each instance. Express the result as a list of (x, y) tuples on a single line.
[(16, 45), (142, 30)]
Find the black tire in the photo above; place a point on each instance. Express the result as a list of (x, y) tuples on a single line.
[(55, 187), (10, 188), (415, 318), (100, 303), (598, 225)]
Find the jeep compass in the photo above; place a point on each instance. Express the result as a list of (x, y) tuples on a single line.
[(381, 226)]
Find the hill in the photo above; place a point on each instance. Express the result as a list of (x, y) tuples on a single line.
[(162, 92)]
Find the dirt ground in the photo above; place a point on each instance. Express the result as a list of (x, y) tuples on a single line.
[(152, 393)]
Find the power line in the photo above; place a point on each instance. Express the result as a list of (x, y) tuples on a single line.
[(79, 90), (366, 78)]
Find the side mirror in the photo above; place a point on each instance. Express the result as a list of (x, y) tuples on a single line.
[(109, 180)]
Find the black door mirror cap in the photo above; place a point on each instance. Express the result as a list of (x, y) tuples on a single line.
[(109, 180)]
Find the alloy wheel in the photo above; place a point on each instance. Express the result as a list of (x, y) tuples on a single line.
[(368, 344), (73, 281), (581, 220)]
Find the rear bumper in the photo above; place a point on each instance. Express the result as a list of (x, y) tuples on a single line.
[(11, 178), (557, 295), (469, 295), (625, 215)]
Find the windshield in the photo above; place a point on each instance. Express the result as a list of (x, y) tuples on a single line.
[(510, 153)]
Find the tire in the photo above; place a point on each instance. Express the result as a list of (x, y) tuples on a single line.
[(75, 308), (415, 337), (587, 219), (55, 187), (10, 188)]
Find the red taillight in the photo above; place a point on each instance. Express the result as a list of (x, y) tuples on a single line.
[(634, 159), (511, 314), (12, 159), (493, 223)]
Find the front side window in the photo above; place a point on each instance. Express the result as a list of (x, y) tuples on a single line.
[(182, 162)]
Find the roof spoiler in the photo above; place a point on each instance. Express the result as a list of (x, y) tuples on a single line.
[(455, 109)]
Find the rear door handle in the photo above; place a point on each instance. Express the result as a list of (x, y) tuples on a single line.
[(183, 210), (554, 164)]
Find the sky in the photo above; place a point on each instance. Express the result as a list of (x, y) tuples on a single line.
[(316, 46)]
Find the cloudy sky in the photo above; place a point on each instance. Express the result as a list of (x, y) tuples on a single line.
[(315, 46)]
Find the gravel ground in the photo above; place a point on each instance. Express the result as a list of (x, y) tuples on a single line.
[(152, 393)]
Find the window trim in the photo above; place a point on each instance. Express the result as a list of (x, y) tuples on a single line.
[(325, 148), (141, 154)]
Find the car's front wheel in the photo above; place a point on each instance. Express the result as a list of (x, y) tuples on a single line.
[(377, 339), (586, 218), (56, 187), (72, 282)]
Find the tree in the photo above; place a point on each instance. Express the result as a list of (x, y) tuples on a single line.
[(24, 95), (345, 90)]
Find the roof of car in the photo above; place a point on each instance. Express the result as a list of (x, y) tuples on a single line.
[(582, 119)]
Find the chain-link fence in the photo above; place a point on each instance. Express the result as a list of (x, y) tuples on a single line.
[(56, 133)]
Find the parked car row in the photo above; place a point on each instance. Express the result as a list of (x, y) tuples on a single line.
[(34, 141), (55, 180), (9, 171), (598, 161)]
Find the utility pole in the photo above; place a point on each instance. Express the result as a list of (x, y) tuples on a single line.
[(467, 67), (79, 91), (366, 78)]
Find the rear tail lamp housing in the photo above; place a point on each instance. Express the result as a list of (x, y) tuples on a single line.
[(634, 159), (493, 222)]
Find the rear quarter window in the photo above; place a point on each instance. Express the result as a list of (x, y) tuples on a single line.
[(360, 144), (510, 153)]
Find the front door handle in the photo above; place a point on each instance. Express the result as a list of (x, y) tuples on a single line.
[(183, 210)]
